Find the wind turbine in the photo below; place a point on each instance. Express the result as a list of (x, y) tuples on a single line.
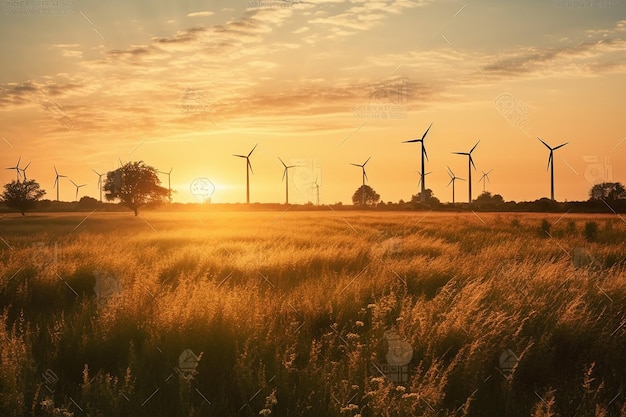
[(362, 166), (470, 163), (424, 176), (424, 154), (24, 170), (485, 178), (317, 189), (551, 165), (452, 179), (286, 178), (77, 187), (57, 183), (99, 182), (169, 184), (248, 171), (17, 168)]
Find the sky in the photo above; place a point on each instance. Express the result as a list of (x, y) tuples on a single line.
[(184, 85)]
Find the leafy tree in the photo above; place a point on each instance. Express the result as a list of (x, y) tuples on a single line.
[(607, 191), (365, 196), (429, 200), (22, 196), (135, 184), (486, 199)]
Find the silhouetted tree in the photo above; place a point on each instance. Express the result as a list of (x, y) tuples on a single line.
[(365, 195), (488, 200), (430, 199), (22, 196), (607, 191), (135, 184)]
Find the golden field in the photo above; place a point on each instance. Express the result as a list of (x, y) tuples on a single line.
[(286, 314)]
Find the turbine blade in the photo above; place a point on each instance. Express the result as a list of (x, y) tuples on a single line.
[(364, 163), (281, 161), (549, 160), (424, 151), (73, 182), (560, 146), (365, 174), (472, 162), (56, 180), (451, 181), (252, 150), (284, 173), (547, 146), (240, 156), (55, 170), (412, 140), (250, 165), (425, 133), (18, 162), (474, 147)]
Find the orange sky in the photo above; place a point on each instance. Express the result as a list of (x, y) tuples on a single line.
[(184, 86)]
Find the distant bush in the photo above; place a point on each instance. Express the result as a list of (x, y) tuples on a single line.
[(591, 231), (515, 223)]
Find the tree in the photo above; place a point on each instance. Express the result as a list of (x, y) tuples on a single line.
[(22, 196), (607, 191), (429, 200), (365, 195), (135, 184), (488, 200)]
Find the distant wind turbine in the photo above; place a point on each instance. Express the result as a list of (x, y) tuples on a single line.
[(470, 163), (57, 183), (24, 171), (77, 187), (424, 154), (169, 183), (422, 176), (99, 182), (17, 168), (248, 171), (453, 178), (286, 178), (485, 178), (316, 185), (362, 166), (551, 165)]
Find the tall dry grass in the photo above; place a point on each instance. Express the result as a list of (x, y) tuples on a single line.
[(288, 313)]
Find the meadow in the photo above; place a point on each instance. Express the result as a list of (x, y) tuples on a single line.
[(285, 313)]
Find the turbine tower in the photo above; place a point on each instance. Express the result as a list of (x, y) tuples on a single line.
[(77, 187), (169, 184), (286, 179), (99, 182), (453, 178), (57, 183), (470, 163), (248, 171), (424, 154), (485, 178), (551, 165), (17, 168), (362, 166)]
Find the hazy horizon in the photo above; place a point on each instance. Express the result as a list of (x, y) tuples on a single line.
[(184, 86)]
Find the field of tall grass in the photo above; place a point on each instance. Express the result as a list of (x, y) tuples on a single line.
[(242, 314)]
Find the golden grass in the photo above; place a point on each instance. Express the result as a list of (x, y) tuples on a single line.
[(288, 311)]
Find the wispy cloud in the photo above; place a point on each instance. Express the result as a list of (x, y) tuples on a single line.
[(200, 14)]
